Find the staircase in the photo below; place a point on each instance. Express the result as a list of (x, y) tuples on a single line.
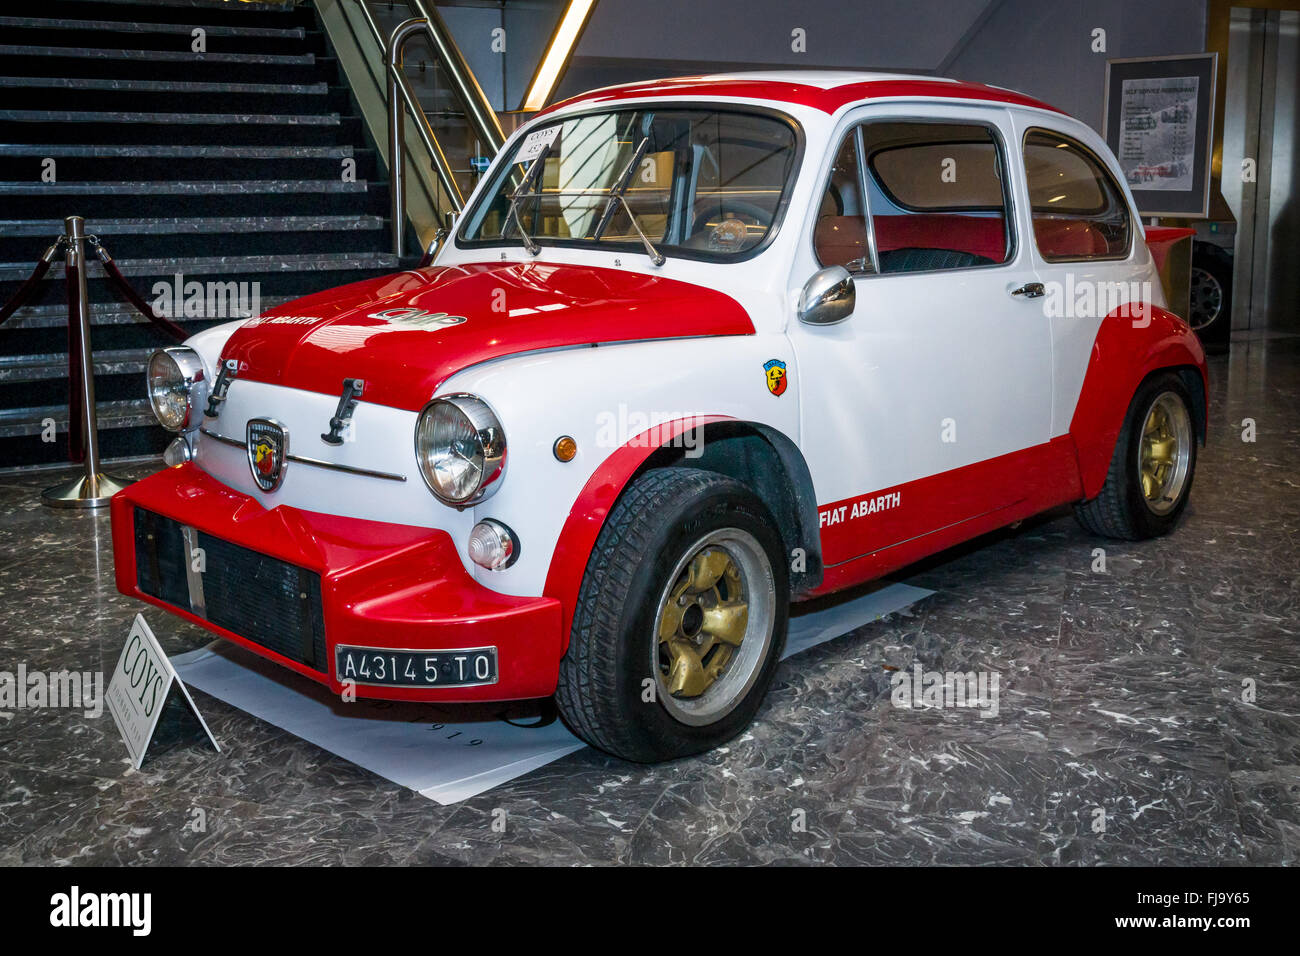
[(222, 166)]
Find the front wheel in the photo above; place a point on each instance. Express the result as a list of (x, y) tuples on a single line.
[(1151, 471), (680, 621)]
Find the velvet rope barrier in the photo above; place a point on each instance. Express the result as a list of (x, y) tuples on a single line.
[(115, 274), (27, 288)]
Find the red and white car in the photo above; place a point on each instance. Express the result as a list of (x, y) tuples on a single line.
[(697, 349)]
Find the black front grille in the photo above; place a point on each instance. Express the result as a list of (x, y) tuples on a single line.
[(262, 599)]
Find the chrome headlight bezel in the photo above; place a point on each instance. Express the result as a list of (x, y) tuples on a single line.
[(490, 447), (186, 374)]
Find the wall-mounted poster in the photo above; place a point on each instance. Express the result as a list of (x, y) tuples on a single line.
[(1159, 119)]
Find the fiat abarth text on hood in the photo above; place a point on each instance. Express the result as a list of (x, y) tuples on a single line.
[(698, 349)]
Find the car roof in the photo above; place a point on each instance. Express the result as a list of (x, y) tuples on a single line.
[(825, 90)]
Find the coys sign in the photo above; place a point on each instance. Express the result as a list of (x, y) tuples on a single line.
[(148, 701), (268, 448)]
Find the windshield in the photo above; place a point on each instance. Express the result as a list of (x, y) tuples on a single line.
[(699, 183)]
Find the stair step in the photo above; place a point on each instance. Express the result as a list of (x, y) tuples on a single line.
[(115, 463), (347, 128), (54, 365), (128, 64), (16, 422), (105, 228), (210, 188), (73, 94), (158, 56), (217, 10), (169, 119), (80, 169), (224, 236), (159, 86), (178, 37), (132, 26), (109, 150), (55, 315), (230, 268), (97, 201)]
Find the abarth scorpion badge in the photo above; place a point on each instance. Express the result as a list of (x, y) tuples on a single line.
[(268, 449)]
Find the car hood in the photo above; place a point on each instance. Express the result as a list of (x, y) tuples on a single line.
[(405, 334)]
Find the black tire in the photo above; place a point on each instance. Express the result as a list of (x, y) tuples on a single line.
[(1122, 510), (614, 645), (1211, 293)]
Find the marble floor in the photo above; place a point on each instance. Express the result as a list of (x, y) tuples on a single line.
[(1121, 703)]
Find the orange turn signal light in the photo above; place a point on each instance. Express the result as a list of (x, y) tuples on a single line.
[(565, 448)]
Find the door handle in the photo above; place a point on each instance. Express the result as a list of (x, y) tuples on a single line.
[(1030, 290)]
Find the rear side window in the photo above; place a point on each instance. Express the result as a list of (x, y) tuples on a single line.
[(1078, 209)]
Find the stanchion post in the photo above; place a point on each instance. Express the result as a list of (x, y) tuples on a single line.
[(92, 489)]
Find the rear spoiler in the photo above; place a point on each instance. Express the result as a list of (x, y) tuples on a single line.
[(1171, 248)]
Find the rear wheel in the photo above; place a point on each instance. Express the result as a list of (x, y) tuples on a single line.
[(1211, 290), (1150, 475), (680, 620)]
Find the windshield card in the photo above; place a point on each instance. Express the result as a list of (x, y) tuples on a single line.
[(535, 142)]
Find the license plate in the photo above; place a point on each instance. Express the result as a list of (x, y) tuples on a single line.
[(378, 667)]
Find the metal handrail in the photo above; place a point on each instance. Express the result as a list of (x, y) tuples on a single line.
[(482, 117), (427, 135), (398, 86), (477, 109)]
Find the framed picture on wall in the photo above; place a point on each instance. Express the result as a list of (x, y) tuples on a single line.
[(1159, 117)]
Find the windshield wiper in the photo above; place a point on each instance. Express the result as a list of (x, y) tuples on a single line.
[(616, 196), (522, 192)]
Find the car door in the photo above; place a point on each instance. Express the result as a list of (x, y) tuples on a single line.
[(1085, 246), (921, 409)]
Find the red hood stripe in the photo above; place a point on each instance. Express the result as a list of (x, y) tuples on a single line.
[(315, 342)]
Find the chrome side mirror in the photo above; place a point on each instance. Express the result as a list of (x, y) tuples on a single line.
[(828, 297)]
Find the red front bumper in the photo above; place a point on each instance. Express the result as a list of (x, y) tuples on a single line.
[(381, 585)]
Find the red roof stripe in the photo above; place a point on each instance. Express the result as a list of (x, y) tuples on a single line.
[(803, 94)]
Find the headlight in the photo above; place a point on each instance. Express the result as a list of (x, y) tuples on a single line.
[(461, 449), (178, 388)]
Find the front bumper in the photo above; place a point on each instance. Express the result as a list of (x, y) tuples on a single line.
[(291, 585)]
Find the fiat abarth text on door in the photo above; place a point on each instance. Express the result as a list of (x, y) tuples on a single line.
[(698, 348)]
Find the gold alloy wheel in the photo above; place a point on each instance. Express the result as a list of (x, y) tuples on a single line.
[(714, 626), (702, 622), (1164, 452)]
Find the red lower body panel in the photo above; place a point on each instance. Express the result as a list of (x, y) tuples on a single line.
[(873, 534), (383, 586)]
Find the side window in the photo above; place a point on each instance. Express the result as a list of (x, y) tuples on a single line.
[(1078, 209), (840, 233), (937, 194)]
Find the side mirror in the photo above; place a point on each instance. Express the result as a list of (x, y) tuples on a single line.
[(828, 297)]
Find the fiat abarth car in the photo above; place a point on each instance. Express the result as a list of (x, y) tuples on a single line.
[(696, 350)]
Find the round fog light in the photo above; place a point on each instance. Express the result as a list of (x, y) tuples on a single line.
[(492, 545), (178, 452)]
